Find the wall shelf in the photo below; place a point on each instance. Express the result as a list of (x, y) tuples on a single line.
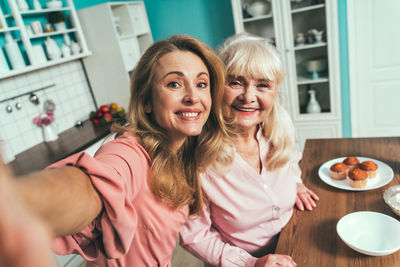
[(49, 63), (307, 8), (20, 32), (47, 34)]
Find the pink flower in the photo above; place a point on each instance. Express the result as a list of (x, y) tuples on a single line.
[(45, 119)]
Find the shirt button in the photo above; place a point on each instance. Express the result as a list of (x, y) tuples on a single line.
[(265, 186), (276, 209)]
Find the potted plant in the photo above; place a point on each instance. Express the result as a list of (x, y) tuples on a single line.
[(57, 18)]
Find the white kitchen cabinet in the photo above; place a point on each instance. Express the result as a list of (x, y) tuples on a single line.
[(286, 19), (118, 33), (16, 23)]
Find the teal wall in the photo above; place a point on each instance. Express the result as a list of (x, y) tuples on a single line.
[(344, 68), (211, 21)]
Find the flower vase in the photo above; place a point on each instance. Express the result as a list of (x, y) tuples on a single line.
[(313, 105), (49, 134)]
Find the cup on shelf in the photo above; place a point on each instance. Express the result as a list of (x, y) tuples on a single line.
[(318, 36), (54, 4), (36, 27), (48, 27), (60, 26)]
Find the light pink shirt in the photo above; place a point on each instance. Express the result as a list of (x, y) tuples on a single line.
[(135, 228), (245, 211)]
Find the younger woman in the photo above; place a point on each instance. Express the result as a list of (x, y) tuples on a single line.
[(125, 206)]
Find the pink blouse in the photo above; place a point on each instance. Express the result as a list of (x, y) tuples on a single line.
[(245, 211), (135, 228)]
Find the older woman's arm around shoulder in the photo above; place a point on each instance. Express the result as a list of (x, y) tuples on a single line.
[(200, 238)]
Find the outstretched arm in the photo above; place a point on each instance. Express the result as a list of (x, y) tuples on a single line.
[(40, 206), (64, 198)]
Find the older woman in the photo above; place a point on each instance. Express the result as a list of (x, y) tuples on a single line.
[(125, 206), (250, 200)]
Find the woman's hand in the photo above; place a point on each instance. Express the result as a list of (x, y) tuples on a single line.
[(305, 197), (24, 239), (272, 260)]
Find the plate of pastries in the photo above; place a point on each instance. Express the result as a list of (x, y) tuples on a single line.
[(355, 173)]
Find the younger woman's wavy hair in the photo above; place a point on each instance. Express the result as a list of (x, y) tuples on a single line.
[(252, 56), (175, 178)]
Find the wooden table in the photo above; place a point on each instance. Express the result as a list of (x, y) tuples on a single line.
[(69, 142), (310, 238)]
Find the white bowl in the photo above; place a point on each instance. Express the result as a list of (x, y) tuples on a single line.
[(392, 198), (259, 8), (370, 233), (318, 65), (54, 4)]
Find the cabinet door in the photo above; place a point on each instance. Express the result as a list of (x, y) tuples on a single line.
[(374, 58), (314, 131), (130, 52), (305, 32), (312, 57), (138, 16)]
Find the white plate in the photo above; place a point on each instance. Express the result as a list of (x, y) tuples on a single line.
[(370, 233), (383, 177)]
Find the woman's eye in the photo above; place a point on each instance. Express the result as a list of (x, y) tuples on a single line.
[(235, 84), (202, 85), (264, 85), (173, 84)]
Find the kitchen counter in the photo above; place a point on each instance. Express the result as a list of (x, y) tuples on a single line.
[(69, 142)]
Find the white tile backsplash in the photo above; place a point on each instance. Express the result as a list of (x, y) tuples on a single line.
[(71, 94)]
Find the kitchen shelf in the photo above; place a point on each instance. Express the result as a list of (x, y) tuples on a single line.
[(53, 33), (20, 21), (49, 63), (268, 16), (308, 8), (127, 36), (304, 80), (308, 46), (9, 29), (44, 11)]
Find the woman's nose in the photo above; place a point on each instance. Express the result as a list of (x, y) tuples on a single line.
[(191, 96), (248, 95)]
